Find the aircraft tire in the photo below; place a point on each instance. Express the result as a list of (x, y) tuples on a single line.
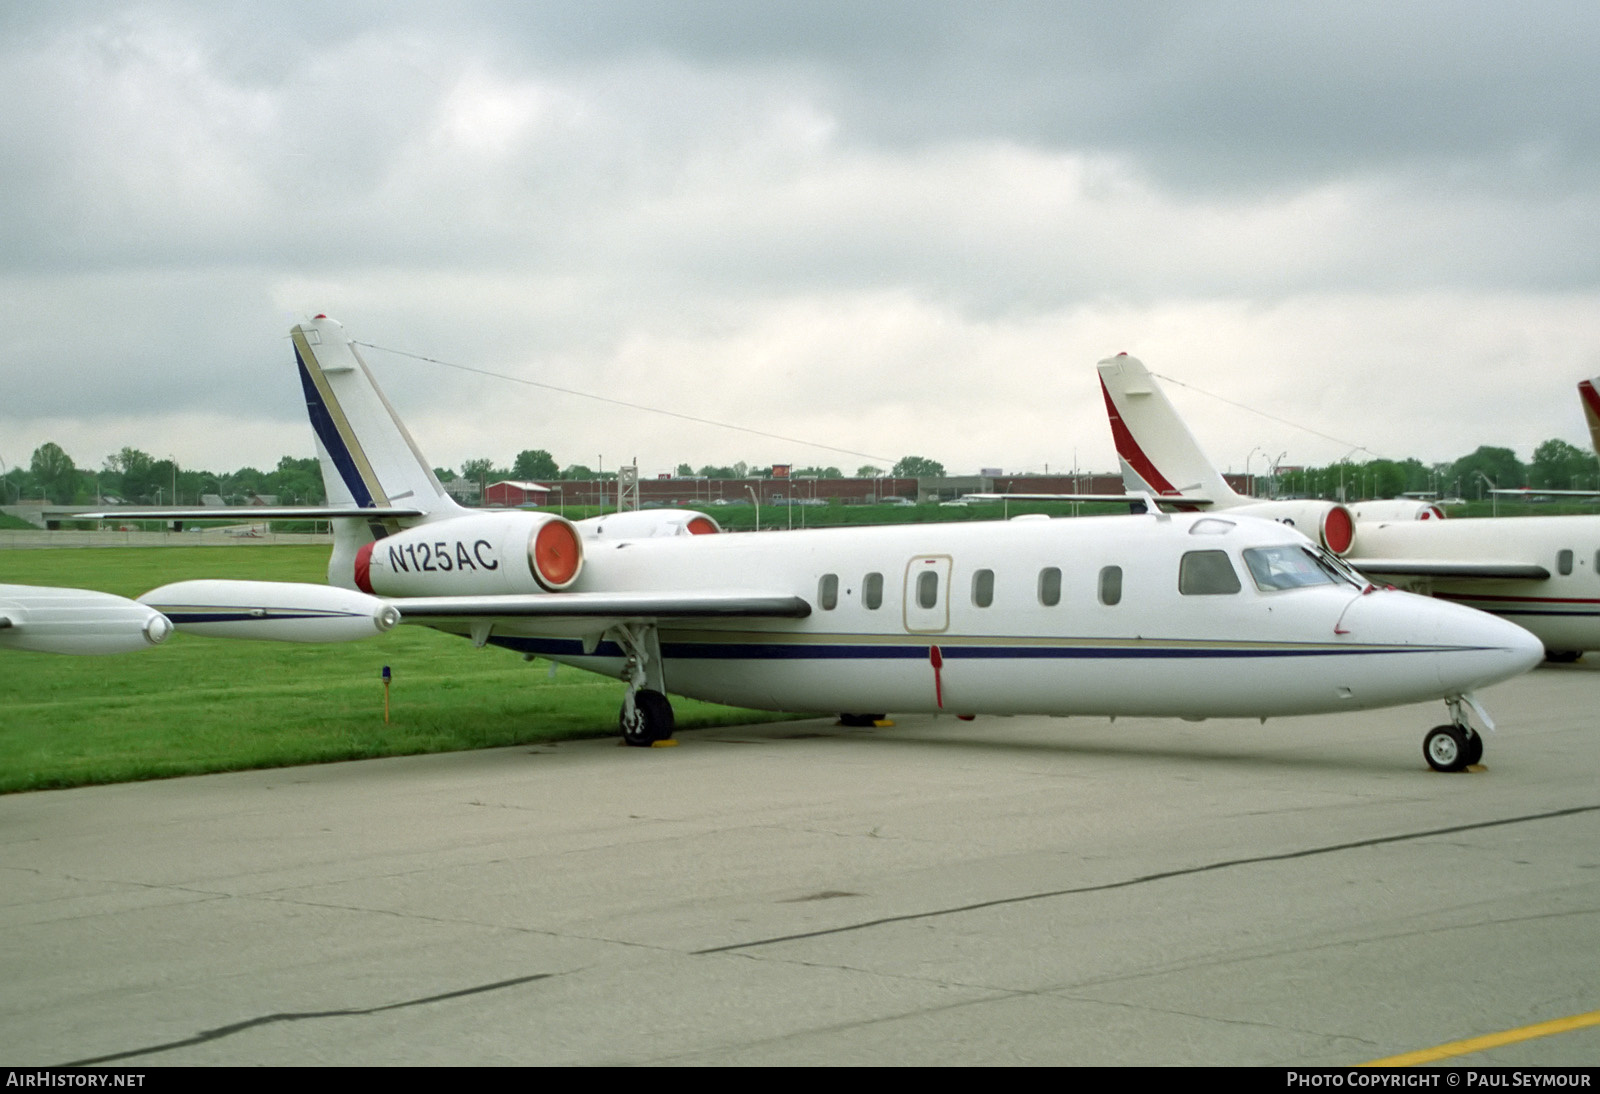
[(1474, 749), (1446, 748), (1562, 657), (652, 719), (860, 720)]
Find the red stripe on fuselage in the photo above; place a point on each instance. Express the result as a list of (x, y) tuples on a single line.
[(1515, 599)]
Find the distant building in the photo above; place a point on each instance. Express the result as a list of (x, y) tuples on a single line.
[(509, 494), (462, 491)]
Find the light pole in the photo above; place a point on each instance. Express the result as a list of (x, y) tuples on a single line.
[(757, 501), (1494, 494)]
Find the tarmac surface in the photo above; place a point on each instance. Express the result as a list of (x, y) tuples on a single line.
[(1022, 890)]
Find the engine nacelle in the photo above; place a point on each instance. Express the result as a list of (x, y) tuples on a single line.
[(1396, 509), (1327, 522), (649, 523), (480, 555), (76, 621), (273, 611)]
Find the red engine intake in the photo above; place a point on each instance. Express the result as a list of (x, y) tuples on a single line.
[(1334, 525)]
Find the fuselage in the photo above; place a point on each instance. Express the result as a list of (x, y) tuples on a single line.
[(1563, 610), (1116, 615)]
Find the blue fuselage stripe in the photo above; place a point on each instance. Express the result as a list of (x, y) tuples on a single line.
[(251, 617), (764, 651)]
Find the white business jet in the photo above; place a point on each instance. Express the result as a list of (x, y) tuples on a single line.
[(1188, 616), (46, 619), (1540, 572)]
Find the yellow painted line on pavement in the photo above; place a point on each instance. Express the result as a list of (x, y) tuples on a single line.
[(1488, 1041)]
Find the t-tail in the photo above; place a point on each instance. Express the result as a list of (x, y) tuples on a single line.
[(1590, 398), (1161, 458), (1158, 453), (369, 460)]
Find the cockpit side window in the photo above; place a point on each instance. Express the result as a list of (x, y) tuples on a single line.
[(1207, 573), (1285, 567)]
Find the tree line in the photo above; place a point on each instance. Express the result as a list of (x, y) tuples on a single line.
[(537, 465), (1556, 465), (134, 476)]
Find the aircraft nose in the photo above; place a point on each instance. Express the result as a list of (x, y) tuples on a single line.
[(1470, 649), (1480, 649)]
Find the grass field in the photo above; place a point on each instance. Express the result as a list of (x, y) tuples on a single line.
[(194, 705)]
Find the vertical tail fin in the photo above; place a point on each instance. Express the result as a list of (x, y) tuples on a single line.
[(368, 458), (1158, 453), (1591, 409)]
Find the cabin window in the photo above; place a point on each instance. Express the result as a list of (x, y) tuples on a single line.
[(1111, 585), (983, 588), (1207, 573), (872, 592), (828, 592), (1050, 586), (928, 589), (1564, 562)]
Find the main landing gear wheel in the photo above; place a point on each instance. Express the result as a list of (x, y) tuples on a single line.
[(1451, 748), (650, 720), (860, 720)]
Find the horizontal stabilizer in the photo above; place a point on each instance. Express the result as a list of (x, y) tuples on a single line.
[(1530, 492), (1486, 571), (256, 512), (1190, 500)]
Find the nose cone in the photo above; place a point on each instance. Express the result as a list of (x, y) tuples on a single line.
[(1468, 649), (1482, 649)]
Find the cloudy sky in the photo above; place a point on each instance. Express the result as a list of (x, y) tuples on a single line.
[(888, 228)]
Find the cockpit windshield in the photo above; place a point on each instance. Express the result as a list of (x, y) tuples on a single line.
[(1290, 566)]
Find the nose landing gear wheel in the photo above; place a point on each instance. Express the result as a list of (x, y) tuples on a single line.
[(1451, 748)]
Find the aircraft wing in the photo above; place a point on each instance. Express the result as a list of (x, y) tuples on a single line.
[(254, 512), (1485, 571), (601, 606)]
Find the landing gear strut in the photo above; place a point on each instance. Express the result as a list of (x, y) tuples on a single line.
[(646, 715), (1457, 746)]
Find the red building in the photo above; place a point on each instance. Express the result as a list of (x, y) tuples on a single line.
[(509, 494)]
